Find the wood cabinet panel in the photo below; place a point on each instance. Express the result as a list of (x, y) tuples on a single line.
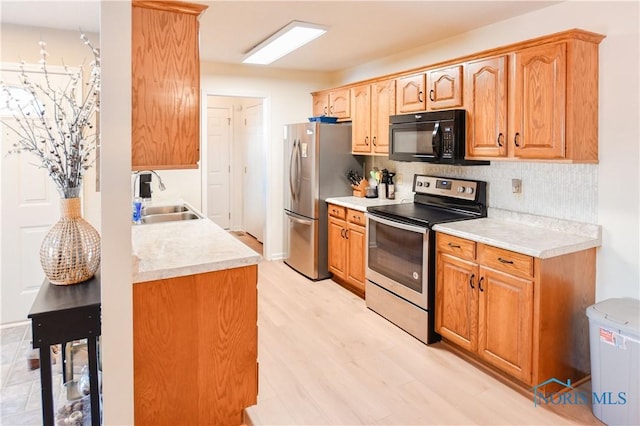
[(340, 103), (337, 247), (356, 240), (486, 98), (505, 260), (320, 104), (361, 120), (195, 347), (457, 300), (505, 322), (445, 88), (383, 105), (347, 247), (410, 94), (456, 246), (165, 86), (539, 102)]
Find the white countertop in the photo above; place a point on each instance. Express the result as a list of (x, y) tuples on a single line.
[(174, 249), (537, 241), (361, 203)]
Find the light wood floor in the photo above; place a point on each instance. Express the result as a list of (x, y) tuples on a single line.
[(325, 359)]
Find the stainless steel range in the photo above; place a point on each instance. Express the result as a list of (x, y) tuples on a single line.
[(401, 249)]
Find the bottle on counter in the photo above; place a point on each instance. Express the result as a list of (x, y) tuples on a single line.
[(391, 190), (137, 211)]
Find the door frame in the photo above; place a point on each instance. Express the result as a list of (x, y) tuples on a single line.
[(266, 131)]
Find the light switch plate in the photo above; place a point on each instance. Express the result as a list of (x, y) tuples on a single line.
[(516, 186)]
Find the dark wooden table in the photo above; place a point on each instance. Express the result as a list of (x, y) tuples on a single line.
[(62, 314)]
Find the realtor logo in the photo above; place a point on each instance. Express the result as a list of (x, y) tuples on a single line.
[(571, 396)]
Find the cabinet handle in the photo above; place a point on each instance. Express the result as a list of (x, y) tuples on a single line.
[(420, 96), (471, 280), (366, 140), (500, 139), (374, 141), (480, 284), (342, 233), (346, 234), (325, 110), (515, 139), (331, 109), (501, 260), (431, 92), (454, 245)]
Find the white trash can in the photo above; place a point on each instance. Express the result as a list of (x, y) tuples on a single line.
[(614, 336)]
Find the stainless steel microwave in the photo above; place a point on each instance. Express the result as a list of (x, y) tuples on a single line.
[(434, 137)]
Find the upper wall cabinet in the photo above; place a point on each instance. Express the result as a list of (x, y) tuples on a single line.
[(445, 88), (166, 85), (334, 103), (372, 104), (410, 94), (539, 102)]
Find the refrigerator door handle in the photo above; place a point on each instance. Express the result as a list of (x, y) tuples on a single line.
[(291, 189), (299, 168), (292, 218)]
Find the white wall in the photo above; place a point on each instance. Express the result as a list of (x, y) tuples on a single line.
[(116, 267), (287, 100), (608, 193)]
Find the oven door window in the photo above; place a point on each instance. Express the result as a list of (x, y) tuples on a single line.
[(397, 254)]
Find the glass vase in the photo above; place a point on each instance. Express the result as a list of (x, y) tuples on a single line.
[(70, 252)]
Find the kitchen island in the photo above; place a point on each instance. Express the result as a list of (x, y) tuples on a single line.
[(195, 324)]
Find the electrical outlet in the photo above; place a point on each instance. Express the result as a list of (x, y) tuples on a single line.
[(516, 186)]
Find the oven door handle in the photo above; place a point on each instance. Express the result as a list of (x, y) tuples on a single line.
[(393, 223)]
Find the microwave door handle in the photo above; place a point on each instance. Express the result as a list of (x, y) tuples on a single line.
[(435, 141)]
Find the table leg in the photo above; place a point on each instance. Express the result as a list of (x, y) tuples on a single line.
[(46, 385), (93, 380)]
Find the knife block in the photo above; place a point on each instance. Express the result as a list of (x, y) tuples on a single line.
[(359, 190)]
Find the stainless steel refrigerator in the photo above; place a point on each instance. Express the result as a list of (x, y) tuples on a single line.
[(317, 158)]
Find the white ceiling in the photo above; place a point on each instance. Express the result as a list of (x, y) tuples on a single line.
[(359, 31)]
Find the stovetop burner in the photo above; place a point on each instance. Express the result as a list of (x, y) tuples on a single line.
[(438, 200)]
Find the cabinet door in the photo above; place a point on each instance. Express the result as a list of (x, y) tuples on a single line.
[(320, 105), (165, 89), (337, 247), (486, 96), (457, 300), (445, 88), (537, 126), (410, 94), (505, 322), (361, 120), (340, 103), (356, 241), (383, 105)]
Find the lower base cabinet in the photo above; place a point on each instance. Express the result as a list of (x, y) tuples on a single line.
[(521, 315), (347, 245), (195, 348)]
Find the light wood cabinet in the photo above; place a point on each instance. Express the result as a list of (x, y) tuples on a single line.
[(372, 104), (521, 315), (536, 103), (445, 88), (334, 103), (347, 245), (410, 93), (195, 347), (165, 85)]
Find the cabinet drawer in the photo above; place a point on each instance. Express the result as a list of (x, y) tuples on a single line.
[(337, 211), (355, 216), (457, 246), (505, 260)]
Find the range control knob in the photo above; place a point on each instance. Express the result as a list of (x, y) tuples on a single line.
[(418, 183), (427, 184), (461, 189), (469, 190)]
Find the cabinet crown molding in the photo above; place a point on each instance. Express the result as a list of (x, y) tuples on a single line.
[(171, 6)]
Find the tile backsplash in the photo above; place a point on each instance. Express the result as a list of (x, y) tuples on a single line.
[(564, 191)]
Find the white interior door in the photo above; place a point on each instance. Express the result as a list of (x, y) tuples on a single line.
[(218, 164), (255, 180), (29, 206)]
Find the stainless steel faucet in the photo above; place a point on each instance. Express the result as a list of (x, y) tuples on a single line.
[(142, 172)]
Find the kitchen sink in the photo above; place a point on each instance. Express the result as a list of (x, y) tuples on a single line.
[(169, 213), (164, 209)]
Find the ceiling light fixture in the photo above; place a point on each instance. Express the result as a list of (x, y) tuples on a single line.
[(294, 35)]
